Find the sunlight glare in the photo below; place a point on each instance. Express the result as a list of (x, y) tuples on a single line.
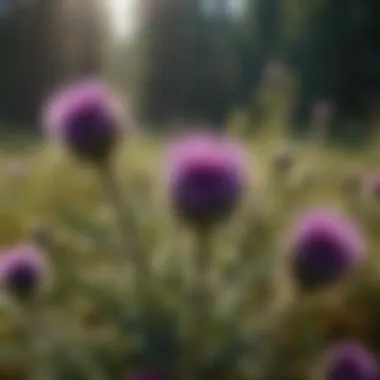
[(123, 17)]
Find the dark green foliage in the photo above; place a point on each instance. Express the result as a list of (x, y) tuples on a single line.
[(21, 80), (338, 59)]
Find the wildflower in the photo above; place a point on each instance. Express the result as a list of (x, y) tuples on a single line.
[(325, 246), (87, 117), (21, 270), (207, 178), (350, 361)]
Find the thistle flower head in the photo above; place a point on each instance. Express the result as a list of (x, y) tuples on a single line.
[(21, 270), (324, 247), (207, 178), (87, 117), (350, 361)]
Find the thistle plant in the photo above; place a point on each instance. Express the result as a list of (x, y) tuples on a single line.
[(23, 271), (207, 180), (89, 120), (86, 117), (324, 248), (208, 177)]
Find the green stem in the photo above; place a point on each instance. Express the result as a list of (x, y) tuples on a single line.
[(114, 197), (128, 250), (198, 308)]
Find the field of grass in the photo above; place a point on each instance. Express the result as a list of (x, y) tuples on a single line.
[(48, 196)]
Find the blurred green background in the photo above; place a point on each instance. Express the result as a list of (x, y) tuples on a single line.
[(196, 60)]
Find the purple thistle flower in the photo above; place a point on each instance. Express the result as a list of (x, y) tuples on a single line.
[(87, 117), (350, 361), (21, 269), (324, 248), (207, 178)]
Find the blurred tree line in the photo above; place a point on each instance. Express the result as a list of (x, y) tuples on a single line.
[(199, 60)]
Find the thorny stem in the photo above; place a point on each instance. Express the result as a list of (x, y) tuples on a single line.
[(197, 310), (128, 232)]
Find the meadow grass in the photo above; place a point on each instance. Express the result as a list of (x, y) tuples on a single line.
[(57, 195)]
